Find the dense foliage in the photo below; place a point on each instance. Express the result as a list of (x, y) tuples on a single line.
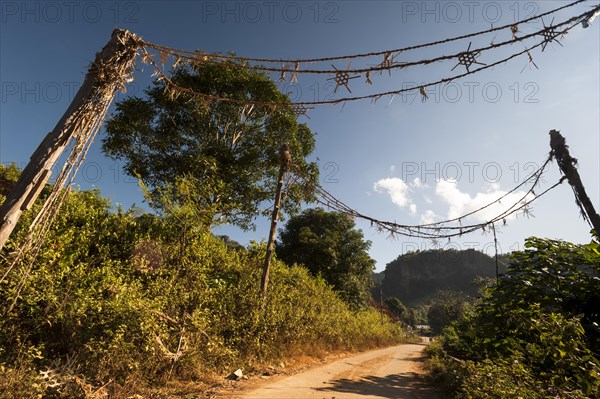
[(399, 310), (445, 308), (225, 154), (535, 334), (328, 244), (121, 300)]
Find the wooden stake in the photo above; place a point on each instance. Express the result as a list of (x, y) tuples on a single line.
[(496, 250), (286, 163), (118, 55), (381, 302), (567, 164)]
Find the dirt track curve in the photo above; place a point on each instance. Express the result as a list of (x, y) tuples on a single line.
[(390, 373)]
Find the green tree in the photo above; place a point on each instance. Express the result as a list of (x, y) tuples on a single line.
[(401, 311), (535, 333), (559, 276), (127, 299), (446, 307), (224, 156), (329, 246), (9, 175)]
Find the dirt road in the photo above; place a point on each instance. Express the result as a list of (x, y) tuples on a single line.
[(390, 373)]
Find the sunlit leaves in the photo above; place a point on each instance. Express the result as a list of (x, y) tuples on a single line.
[(228, 151), (542, 316), (328, 244)]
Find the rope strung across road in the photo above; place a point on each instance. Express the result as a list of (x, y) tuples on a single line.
[(451, 227), (468, 58), (195, 55), (87, 119)]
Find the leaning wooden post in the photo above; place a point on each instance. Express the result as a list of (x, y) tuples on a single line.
[(286, 163), (115, 59), (567, 164)]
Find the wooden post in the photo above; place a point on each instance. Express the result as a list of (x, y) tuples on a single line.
[(567, 164), (286, 163), (116, 57), (495, 250), (381, 302)]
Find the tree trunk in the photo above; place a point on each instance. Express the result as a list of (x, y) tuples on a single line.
[(116, 58)]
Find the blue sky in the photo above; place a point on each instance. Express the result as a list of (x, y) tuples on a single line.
[(398, 159)]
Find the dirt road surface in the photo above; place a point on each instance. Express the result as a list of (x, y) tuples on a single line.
[(390, 373)]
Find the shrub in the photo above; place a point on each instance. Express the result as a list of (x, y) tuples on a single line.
[(532, 335), (122, 299)]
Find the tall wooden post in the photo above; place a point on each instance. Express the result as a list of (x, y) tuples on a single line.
[(115, 59), (381, 303), (495, 250), (286, 163), (567, 164)]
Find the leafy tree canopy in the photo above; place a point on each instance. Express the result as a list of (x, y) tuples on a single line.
[(329, 246), (540, 322), (559, 276), (9, 175), (224, 156), (113, 294), (446, 307), (401, 311)]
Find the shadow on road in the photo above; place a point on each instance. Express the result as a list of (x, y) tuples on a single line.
[(394, 386)]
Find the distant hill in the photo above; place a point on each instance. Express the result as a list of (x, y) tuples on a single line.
[(378, 278), (416, 277)]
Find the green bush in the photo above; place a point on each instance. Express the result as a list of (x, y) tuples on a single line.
[(533, 335), (122, 299)]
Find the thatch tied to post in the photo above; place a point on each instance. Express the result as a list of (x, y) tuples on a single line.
[(110, 71)]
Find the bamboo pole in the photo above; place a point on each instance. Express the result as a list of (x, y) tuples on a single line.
[(286, 162), (567, 164), (105, 76)]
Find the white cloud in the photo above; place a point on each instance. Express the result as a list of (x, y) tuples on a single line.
[(398, 191), (418, 183), (462, 203), (458, 202), (428, 217), (392, 168)]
